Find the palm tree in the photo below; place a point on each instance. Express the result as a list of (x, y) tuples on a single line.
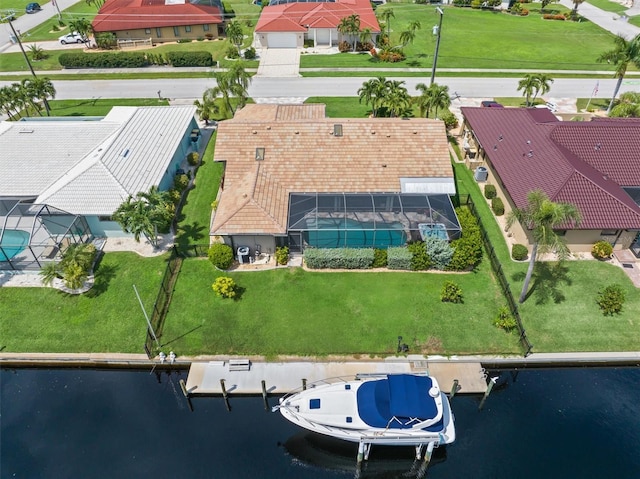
[(543, 84), (83, 27), (365, 36), (528, 85), (424, 100), (397, 99), (41, 88), (37, 53), (235, 34), (386, 15), (541, 216), (207, 108), (232, 83), (350, 26), (29, 94), (144, 214), (373, 92), (628, 106), (624, 52), (574, 12), (432, 97)]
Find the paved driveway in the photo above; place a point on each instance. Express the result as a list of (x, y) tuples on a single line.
[(279, 62)]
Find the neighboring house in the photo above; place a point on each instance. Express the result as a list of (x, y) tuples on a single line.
[(88, 168), (288, 25), (294, 177), (594, 165), (160, 20)]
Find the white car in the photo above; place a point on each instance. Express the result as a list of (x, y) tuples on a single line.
[(73, 37)]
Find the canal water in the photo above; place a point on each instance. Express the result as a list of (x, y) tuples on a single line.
[(561, 423)]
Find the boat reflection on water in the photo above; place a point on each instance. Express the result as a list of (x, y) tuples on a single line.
[(310, 449)]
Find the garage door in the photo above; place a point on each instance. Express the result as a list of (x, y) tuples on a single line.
[(282, 40), (322, 36)]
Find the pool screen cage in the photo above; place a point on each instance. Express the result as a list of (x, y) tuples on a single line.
[(368, 220), (32, 235)]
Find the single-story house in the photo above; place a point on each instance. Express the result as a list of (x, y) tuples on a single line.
[(160, 20), (89, 167), (593, 165), (294, 177), (288, 25)]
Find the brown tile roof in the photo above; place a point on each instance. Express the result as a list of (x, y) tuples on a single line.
[(117, 15), (272, 112), (304, 155), (298, 16), (583, 163)]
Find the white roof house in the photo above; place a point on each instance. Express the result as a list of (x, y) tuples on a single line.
[(90, 167)]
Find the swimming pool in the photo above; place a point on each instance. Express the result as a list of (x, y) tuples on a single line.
[(348, 233), (12, 243)]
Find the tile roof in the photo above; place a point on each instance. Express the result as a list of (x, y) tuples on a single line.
[(302, 155), (116, 15), (85, 169), (297, 17), (583, 163)]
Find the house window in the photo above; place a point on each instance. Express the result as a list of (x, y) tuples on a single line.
[(147, 31), (176, 31), (105, 218), (609, 233), (159, 32), (560, 232), (205, 27), (187, 29)]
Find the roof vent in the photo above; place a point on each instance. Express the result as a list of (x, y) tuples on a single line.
[(269, 127), (124, 153), (337, 129), (500, 138), (297, 132), (26, 131), (259, 154), (598, 146), (255, 132), (373, 132)]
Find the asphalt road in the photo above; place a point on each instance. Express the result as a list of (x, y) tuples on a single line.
[(337, 87)]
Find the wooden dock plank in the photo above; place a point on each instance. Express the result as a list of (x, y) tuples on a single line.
[(280, 378)]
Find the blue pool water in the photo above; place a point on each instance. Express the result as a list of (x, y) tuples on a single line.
[(13, 242), (347, 233)]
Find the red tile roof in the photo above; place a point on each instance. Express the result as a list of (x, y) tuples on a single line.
[(297, 17), (583, 163), (116, 15)]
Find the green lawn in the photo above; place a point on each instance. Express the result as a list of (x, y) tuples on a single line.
[(107, 319), (483, 39), (99, 106), (45, 31), (347, 107), (18, 6), (608, 6)]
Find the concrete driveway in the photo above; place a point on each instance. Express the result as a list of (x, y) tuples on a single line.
[(279, 62)]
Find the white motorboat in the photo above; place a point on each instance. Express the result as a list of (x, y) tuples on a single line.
[(389, 409)]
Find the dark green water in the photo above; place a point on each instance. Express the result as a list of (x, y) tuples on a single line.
[(571, 423)]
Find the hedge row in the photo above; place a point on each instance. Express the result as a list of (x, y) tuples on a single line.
[(467, 251), (399, 257), (134, 59), (339, 258)]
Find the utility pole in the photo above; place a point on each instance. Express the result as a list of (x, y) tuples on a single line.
[(55, 4), (17, 37), (435, 57)]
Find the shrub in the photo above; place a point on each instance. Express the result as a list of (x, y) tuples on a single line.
[(439, 252), (180, 182), (548, 16), (339, 258), (450, 120), (602, 250), (450, 292), (232, 53), (419, 259), (184, 40), (174, 195), (467, 251), (209, 36), (344, 47), (250, 53), (476, 3), (399, 257), (106, 40), (611, 300), (519, 252), (282, 255), (379, 258), (490, 192), (504, 320), (225, 287), (103, 60), (190, 59), (391, 56), (497, 206), (55, 27), (461, 3), (364, 47), (221, 255), (214, 205), (193, 158)]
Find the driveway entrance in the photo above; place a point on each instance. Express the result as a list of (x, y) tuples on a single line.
[(279, 62)]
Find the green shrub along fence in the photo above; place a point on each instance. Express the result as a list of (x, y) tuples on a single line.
[(496, 266), (134, 59), (163, 300)]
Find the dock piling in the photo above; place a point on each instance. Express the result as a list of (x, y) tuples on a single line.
[(264, 395), (454, 389), (225, 395), (492, 383), (304, 384)]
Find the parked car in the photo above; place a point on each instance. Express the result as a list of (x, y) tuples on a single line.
[(73, 37), (33, 7), (491, 104)]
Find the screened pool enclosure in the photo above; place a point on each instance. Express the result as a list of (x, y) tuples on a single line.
[(32, 235), (368, 220)]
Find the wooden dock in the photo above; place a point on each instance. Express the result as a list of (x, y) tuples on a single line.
[(245, 377)]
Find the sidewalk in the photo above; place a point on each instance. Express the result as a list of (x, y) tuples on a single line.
[(609, 21)]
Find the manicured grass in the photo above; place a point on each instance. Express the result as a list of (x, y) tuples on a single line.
[(608, 6), (193, 227), (292, 311), (15, 62), (114, 76), (45, 32), (99, 106), (107, 319), (595, 104), (347, 107), (17, 6), (483, 39)]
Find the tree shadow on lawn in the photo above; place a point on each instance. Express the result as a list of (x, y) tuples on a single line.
[(548, 279), (189, 233), (192, 330), (103, 274)]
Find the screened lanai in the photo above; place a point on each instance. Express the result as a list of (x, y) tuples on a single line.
[(32, 235), (368, 220)]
